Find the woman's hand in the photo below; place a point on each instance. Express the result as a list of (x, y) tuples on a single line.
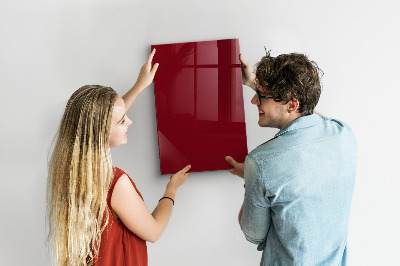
[(248, 76), (238, 168), (146, 74), (145, 78), (179, 178)]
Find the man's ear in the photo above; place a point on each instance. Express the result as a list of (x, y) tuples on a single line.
[(293, 105)]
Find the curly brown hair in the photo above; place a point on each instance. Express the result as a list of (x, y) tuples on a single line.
[(290, 77)]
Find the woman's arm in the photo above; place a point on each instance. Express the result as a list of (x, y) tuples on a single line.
[(319, 114), (145, 78), (131, 209)]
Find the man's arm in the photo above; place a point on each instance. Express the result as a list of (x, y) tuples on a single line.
[(248, 75), (238, 169), (240, 213), (254, 216), (318, 114)]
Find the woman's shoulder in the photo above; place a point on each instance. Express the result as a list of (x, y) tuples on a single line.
[(118, 172), (123, 179)]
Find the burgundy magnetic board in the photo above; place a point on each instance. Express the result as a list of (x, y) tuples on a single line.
[(199, 105)]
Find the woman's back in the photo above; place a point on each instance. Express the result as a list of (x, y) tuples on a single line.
[(96, 215), (119, 246)]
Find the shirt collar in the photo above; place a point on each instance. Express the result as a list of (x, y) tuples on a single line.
[(301, 122)]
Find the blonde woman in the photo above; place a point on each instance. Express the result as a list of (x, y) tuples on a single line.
[(96, 214)]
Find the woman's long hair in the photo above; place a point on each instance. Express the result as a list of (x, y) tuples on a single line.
[(80, 174)]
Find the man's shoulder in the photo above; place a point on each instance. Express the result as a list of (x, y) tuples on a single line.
[(265, 150), (268, 151), (336, 128), (294, 140)]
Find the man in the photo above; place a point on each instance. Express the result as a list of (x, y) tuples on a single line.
[(299, 184)]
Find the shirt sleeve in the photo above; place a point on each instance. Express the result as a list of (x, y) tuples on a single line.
[(256, 217)]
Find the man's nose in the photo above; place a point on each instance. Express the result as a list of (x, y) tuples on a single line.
[(254, 100)]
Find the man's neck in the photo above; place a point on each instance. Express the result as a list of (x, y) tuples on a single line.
[(289, 120)]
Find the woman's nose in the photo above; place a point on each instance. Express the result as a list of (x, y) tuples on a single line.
[(129, 122)]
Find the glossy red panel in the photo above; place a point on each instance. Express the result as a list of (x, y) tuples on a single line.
[(199, 104)]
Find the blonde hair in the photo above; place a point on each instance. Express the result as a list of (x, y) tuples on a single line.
[(80, 174)]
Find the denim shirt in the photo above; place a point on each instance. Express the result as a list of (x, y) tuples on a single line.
[(298, 191)]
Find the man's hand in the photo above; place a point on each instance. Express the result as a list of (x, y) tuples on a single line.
[(248, 76), (238, 168)]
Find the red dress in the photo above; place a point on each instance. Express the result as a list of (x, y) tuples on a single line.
[(119, 246)]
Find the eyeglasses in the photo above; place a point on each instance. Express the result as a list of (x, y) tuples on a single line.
[(276, 99)]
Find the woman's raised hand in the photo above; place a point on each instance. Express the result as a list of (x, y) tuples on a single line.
[(147, 73), (145, 78)]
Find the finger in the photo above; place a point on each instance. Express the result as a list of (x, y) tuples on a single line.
[(154, 69), (242, 61), (232, 171), (187, 167), (230, 160), (151, 56)]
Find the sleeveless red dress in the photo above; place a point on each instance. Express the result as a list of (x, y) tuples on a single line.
[(119, 246)]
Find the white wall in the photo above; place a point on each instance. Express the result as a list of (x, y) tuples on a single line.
[(49, 49)]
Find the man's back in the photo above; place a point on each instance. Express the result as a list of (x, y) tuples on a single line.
[(299, 187)]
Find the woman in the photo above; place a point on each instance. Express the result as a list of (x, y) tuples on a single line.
[(96, 214)]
